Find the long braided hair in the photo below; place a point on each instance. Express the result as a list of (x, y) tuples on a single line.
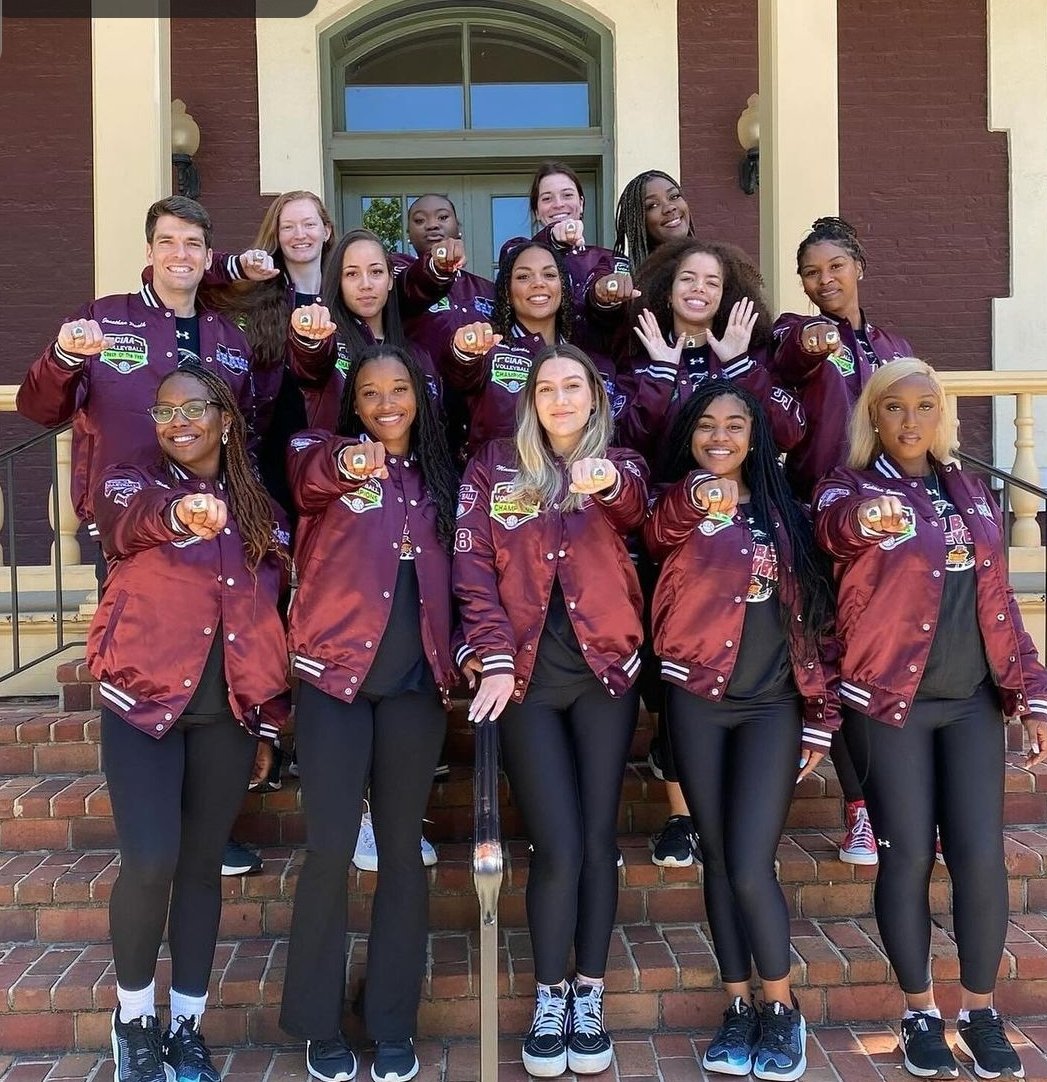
[(630, 218), (504, 315), (834, 231), (771, 500), (428, 435), (262, 309), (248, 500)]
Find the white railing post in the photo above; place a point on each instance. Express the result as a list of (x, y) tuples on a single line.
[(65, 543), (1026, 532)]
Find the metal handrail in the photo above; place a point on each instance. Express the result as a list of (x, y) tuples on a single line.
[(8, 461), (487, 878), (1002, 475)]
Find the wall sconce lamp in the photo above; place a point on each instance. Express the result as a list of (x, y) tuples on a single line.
[(185, 142), (749, 139)]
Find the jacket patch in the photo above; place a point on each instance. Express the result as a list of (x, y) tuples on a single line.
[(121, 489), (714, 524), (981, 505), (843, 358), (232, 360), (830, 496), (365, 498), (909, 520), (281, 536), (509, 511), (510, 371), (484, 305), (782, 397), (467, 496), (128, 353), (442, 305), (300, 443), (463, 541), (630, 465), (341, 362)]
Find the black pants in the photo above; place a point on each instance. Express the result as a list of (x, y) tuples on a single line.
[(850, 783), (944, 767), (738, 764), (398, 740), (565, 751), (174, 802)]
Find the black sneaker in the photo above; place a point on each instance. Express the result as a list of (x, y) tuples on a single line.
[(187, 1055), (677, 844), (138, 1050), (654, 758), (330, 1061), (545, 1047), (394, 1061), (732, 1047), (271, 783), (924, 1049), (589, 1048), (237, 859), (982, 1037), (781, 1051)]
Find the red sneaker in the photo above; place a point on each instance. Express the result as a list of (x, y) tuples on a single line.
[(859, 843)]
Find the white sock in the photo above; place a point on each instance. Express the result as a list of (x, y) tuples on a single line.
[(562, 987), (932, 1011), (183, 1006), (134, 1004), (591, 982)]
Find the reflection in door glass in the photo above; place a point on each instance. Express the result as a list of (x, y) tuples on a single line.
[(384, 215), (510, 217)]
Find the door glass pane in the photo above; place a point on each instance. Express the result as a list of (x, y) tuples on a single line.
[(510, 217), (523, 82), (385, 215), (410, 84)]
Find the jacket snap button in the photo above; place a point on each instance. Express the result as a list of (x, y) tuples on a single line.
[(385, 593), (368, 644), (897, 717), (230, 582), (207, 631), (1000, 616), (231, 636), (159, 728), (729, 642), (187, 683), (926, 627), (912, 668), (167, 717)]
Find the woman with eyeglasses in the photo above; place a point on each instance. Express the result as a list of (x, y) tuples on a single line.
[(550, 605), (187, 716)]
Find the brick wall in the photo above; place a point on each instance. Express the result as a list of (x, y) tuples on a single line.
[(213, 71)]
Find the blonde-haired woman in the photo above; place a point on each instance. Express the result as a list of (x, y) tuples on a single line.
[(551, 605), (934, 654)]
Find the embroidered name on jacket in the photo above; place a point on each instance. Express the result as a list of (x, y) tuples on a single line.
[(128, 353), (508, 510), (121, 489), (365, 498)]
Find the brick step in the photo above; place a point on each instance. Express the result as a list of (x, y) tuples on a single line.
[(660, 977), (72, 811), (62, 897), (859, 1053)]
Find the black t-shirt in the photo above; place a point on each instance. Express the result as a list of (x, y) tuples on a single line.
[(303, 300), (399, 664), (187, 331), (560, 660), (956, 664), (762, 669), (866, 347), (211, 698)]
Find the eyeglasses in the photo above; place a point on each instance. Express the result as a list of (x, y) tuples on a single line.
[(192, 410)]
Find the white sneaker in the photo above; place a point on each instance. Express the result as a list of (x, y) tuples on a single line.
[(366, 855)]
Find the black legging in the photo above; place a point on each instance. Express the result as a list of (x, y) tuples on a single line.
[(944, 767), (565, 751), (846, 774), (738, 764), (398, 740), (174, 802)]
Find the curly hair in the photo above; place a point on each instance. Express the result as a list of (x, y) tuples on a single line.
[(262, 309), (504, 315), (770, 498), (833, 231), (630, 218), (741, 279), (248, 500), (428, 434)]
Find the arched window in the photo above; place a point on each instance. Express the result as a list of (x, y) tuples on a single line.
[(465, 99)]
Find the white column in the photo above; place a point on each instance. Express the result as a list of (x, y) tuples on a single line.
[(131, 105), (799, 136)]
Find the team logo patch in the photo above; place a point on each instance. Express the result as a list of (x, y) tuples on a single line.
[(509, 511), (121, 489), (232, 360), (630, 465), (341, 362), (432, 387), (467, 496), (484, 305), (510, 371), (442, 305), (463, 541), (281, 537), (981, 505), (907, 534), (128, 353), (300, 443), (843, 358), (782, 397), (830, 496), (365, 498), (713, 524)]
